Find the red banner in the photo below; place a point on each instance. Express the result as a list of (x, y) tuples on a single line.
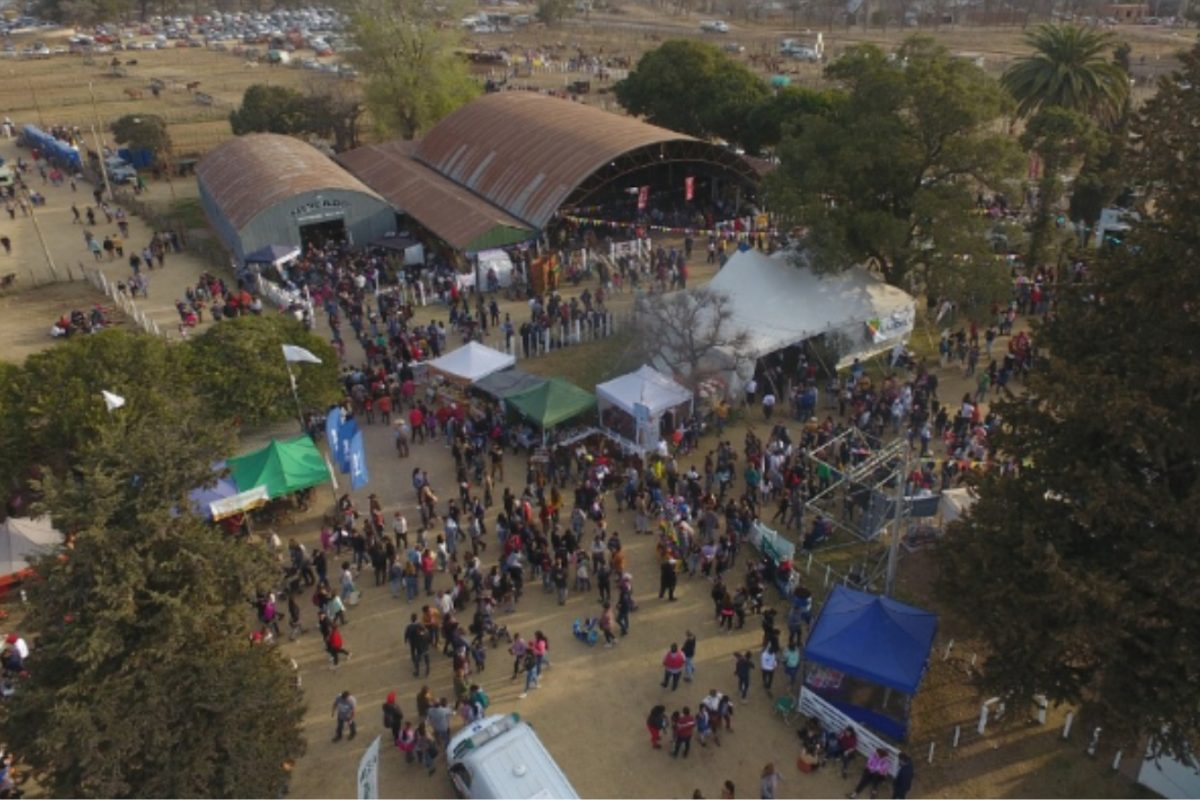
[(689, 188), (643, 198)]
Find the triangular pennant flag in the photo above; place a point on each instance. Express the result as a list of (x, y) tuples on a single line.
[(293, 353), (112, 401)]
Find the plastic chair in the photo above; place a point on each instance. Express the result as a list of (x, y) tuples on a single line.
[(786, 707)]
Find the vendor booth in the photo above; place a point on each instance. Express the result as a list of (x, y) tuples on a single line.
[(22, 538), (471, 362), (642, 406), (281, 467), (779, 303), (551, 403), (866, 657), (504, 384)]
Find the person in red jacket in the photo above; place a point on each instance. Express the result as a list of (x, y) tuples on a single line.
[(673, 663), (685, 725)]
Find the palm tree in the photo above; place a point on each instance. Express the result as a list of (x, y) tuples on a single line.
[(1068, 69)]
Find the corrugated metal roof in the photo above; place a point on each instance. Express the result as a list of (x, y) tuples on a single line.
[(451, 212), (526, 152), (248, 174)]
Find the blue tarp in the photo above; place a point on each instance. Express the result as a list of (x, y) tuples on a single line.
[(873, 638), (200, 498), (54, 149), (272, 254)]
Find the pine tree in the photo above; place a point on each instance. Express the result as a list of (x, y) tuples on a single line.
[(144, 682), (1080, 570)]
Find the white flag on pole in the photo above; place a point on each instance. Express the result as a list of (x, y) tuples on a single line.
[(293, 353), (112, 401)]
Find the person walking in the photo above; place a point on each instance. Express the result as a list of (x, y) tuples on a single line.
[(667, 579), (673, 664), (742, 667), (689, 656), (392, 717), (767, 662), (902, 783), (335, 646), (416, 636), (624, 606), (344, 709), (531, 673), (769, 782), (685, 726), (878, 769), (656, 723), (606, 626)]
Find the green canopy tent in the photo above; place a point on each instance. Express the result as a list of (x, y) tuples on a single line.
[(551, 403), (282, 467)]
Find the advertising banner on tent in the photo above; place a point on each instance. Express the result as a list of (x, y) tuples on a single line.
[(358, 462), (368, 773), (643, 198), (689, 188), (349, 429), (333, 430)]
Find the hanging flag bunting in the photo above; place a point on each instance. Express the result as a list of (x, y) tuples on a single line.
[(643, 198), (689, 188)]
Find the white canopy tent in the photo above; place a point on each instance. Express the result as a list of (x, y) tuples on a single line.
[(21, 538), (644, 396), (471, 362), (779, 303)]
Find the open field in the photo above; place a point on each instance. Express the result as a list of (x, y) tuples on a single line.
[(56, 90)]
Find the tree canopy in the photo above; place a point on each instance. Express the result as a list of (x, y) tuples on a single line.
[(891, 172), (1068, 69), (143, 132), (411, 75), (279, 109), (1079, 568), (693, 88), (146, 684), (239, 366)]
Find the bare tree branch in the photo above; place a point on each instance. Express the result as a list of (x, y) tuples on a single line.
[(693, 334)]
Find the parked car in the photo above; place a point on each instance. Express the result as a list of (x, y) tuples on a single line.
[(714, 26)]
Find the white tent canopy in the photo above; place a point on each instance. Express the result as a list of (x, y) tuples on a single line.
[(646, 386), (21, 538), (472, 362), (644, 396), (779, 304)]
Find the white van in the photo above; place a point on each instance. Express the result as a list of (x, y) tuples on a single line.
[(501, 757)]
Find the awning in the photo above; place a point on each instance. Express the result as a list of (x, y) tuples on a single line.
[(552, 403), (473, 361), (504, 384), (237, 503), (280, 467)]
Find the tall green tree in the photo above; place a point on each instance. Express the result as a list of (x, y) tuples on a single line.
[(891, 173), (693, 88), (1067, 69), (269, 109), (411, 75), (1079, 570), (146, 684), (52, 403), (1061, 137), (144, 132), (238, 366), (768, 120)]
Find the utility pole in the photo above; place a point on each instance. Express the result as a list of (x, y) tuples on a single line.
[(889, 585), (41, 239), (96, 128), (33, 94)]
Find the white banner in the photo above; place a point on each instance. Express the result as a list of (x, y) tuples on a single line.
[(368, 773), (813, 705)]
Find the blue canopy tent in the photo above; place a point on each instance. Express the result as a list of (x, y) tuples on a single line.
[(866, 655), (273, 255)]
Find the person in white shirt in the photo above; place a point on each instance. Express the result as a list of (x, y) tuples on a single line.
[(768, 404)]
